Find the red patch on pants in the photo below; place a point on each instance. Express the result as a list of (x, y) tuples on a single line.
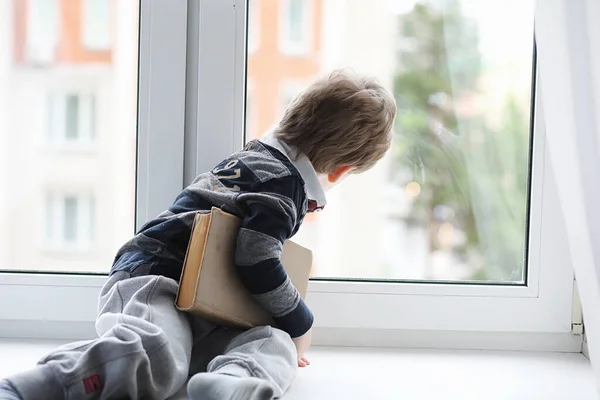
[(91, 384)]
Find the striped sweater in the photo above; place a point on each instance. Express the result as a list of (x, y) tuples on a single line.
[(271, 189)]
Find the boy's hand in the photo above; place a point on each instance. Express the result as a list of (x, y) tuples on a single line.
[(302, 344)]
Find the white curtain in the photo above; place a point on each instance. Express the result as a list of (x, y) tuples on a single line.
[(568, 38)]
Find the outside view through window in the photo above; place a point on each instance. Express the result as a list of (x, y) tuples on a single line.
[(68, 83), (449, 201)]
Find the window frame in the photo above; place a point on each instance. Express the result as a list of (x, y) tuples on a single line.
[(536, 316)]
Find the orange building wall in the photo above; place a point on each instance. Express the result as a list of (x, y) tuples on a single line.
[(70, 48), (268, 67)]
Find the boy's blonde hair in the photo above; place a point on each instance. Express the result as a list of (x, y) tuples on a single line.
[(340, 120)]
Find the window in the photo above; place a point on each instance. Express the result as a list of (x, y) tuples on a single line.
[(95, 24), (295, 27), (72, 118), (70, 221), (65, 214), (42, 30), (449, 222), (451, 251)]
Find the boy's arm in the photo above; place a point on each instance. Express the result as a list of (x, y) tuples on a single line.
[(270, 220)]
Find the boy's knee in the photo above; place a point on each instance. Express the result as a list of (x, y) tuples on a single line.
[(285, 345), (110, 298)]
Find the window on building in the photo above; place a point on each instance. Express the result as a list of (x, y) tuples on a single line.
[(95, 24), (295, 27), (72, 118), (42, 30), (70, 220)]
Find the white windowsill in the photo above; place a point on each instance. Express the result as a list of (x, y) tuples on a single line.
[(360, 373)]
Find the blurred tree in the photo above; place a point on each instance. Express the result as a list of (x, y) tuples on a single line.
[(456, 160), (499, 170)]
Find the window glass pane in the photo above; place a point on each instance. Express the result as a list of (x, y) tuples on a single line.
[(70, 218), (67, 133), (296, 20), (449, 201), (42, 26), (72, 117)]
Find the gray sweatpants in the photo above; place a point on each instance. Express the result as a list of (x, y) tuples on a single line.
[(148, 349)]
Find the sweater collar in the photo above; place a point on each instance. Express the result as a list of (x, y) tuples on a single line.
[(312, 186)]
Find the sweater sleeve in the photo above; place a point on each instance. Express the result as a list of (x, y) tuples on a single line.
[(270, 220)]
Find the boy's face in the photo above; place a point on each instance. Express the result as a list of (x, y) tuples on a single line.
[(331, 180)]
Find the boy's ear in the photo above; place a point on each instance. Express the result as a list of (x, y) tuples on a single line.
[(335, 176)]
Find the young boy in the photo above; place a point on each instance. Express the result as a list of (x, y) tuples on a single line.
[(147, 348)]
